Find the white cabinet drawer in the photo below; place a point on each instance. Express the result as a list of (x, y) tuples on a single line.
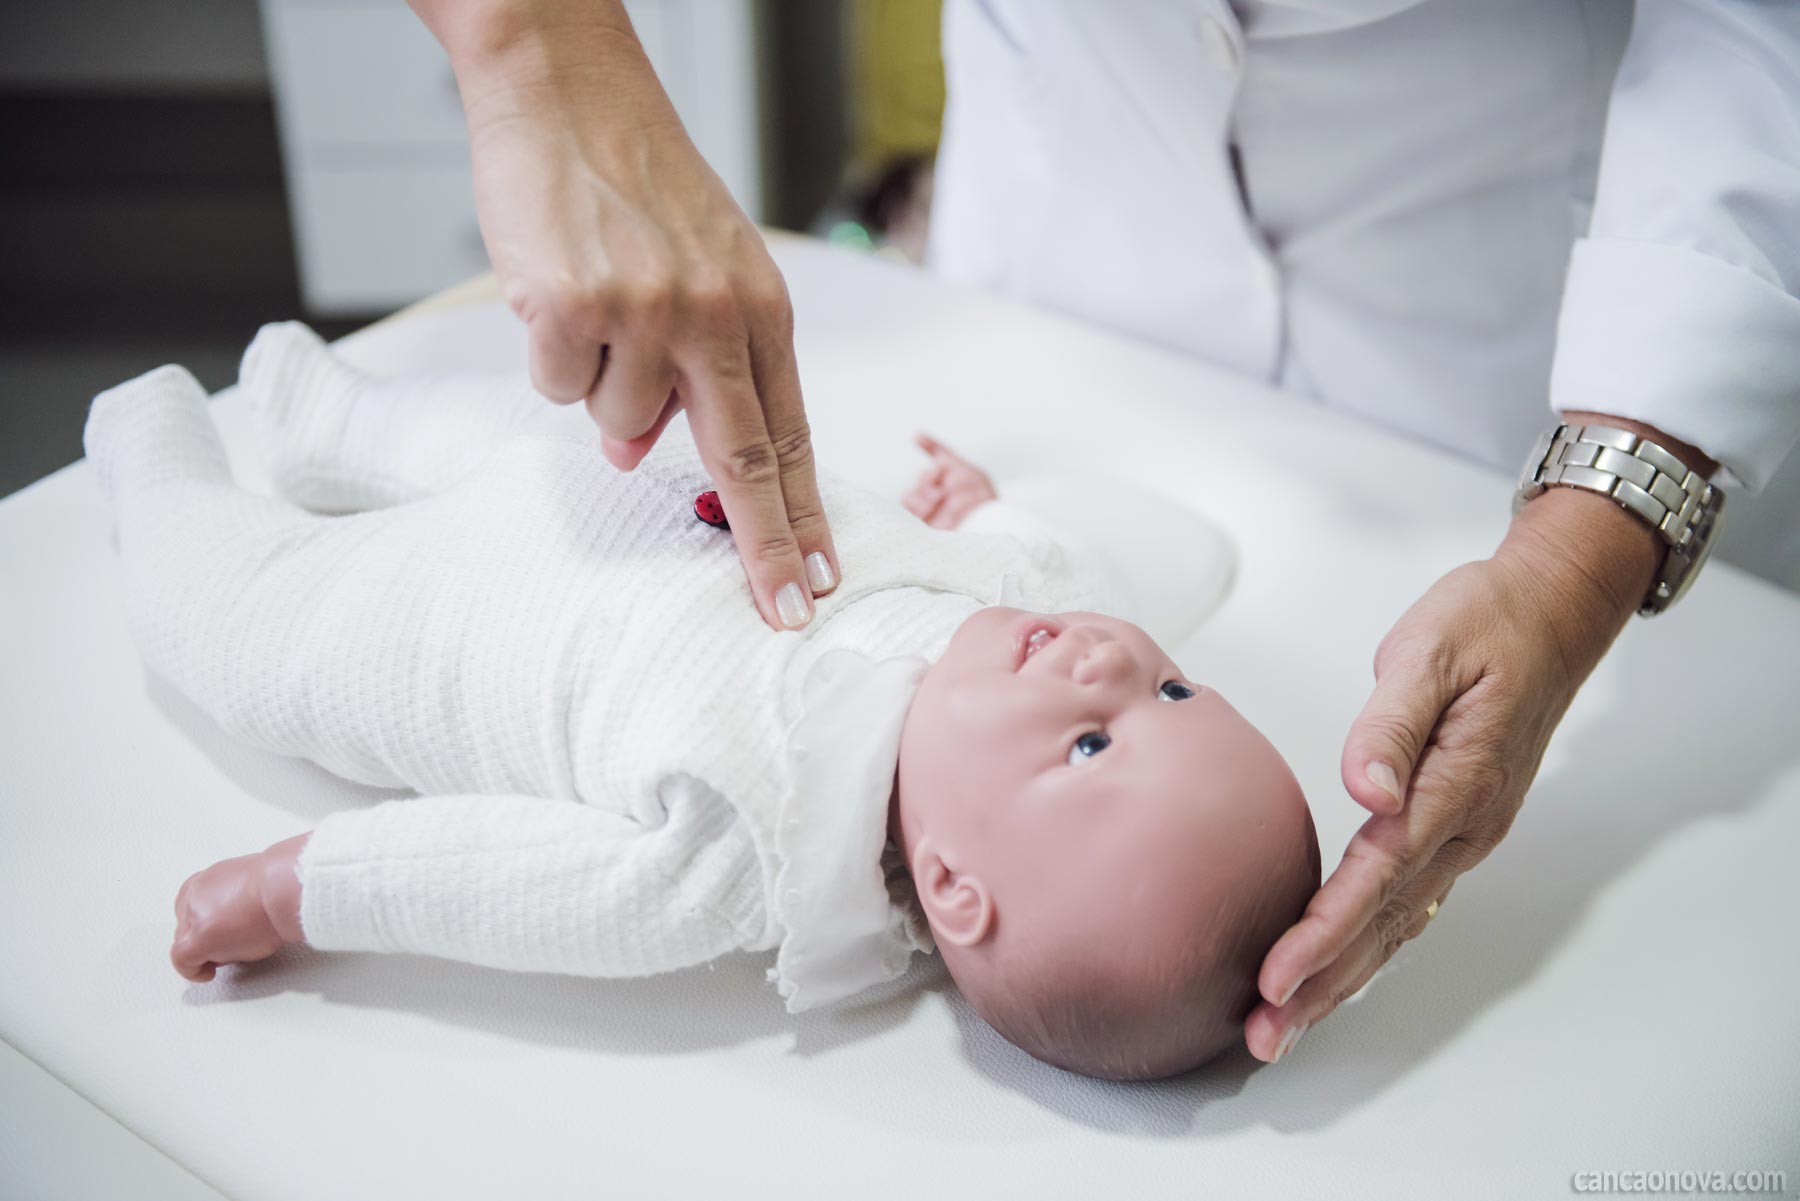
[(375, 239), (361, 75)]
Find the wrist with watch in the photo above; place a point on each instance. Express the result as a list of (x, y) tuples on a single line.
[(1647, 481)]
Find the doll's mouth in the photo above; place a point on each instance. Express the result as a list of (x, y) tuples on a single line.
[(1033, 636)]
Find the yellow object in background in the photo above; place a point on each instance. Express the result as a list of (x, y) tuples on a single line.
[(897, 75)]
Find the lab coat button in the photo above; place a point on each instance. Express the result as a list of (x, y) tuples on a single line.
[(1219, 45)]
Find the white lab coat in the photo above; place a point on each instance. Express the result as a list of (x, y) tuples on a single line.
[(1421, 228)]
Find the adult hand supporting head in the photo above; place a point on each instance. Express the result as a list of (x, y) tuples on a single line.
[(645, 288), (1470, 684)]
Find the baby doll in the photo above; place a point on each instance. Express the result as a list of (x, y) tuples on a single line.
[(623, 771)]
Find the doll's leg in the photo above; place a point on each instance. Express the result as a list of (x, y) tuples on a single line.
[(340, 440), (217, 579)]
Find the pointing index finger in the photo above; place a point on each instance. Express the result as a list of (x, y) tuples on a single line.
[(733, 439), (777, 379)]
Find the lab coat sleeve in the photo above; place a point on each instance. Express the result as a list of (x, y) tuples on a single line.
[(1682, 305), (535, 885)]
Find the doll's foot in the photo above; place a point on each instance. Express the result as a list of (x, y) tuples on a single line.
[(304, 396), (153, 429)]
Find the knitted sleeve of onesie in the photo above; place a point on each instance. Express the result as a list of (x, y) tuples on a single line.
[(1124, 550), (528, 884)]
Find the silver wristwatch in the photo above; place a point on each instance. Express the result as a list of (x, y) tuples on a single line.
[(1642, 477)]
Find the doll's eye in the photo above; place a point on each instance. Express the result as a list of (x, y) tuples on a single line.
[(1174, 690), (1089, 745)]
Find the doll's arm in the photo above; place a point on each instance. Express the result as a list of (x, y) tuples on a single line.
[(952, 493), (519, 883), (1154, 560), (1104, 543)]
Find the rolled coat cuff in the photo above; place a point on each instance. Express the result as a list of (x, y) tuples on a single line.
[(1703, 350)]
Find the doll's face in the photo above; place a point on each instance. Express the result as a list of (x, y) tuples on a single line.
[(1062, 779)]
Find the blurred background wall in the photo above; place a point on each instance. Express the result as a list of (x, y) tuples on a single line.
[(177, 172)]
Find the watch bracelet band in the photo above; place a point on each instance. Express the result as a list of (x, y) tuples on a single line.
[(1640, 476)]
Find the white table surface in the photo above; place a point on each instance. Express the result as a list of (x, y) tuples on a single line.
[(1614, 989)]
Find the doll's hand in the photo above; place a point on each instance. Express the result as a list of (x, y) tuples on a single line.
[(237, 911), (949, 489)]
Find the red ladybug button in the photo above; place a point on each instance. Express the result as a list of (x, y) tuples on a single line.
[(708, 509)]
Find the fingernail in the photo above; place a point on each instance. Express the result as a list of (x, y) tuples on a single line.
[(791, 606), (1383, 777), (1289, 1040), (819, 573), (1289, 994)]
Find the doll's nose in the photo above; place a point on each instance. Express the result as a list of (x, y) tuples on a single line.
[(1104, 662)]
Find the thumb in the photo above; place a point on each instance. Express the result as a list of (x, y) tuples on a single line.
[(627, 453), (1390, 733)]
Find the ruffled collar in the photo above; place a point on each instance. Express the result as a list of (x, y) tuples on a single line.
[(844, 898)]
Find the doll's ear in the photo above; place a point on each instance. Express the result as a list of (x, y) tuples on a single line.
[(958, 905)]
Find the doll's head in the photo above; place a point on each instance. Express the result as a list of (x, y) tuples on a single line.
[(1104, 849)]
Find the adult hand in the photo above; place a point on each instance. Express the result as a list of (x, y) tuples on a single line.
[(644, 287), (1470, 685)]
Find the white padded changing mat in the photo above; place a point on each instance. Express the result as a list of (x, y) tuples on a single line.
[(1613, 989)]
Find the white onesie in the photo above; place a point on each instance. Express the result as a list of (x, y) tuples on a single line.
[(622, 769)]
